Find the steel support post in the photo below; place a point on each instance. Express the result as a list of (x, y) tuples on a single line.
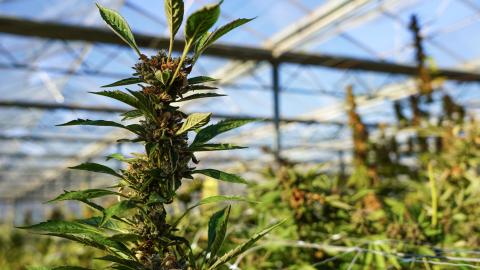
[(277, 146)]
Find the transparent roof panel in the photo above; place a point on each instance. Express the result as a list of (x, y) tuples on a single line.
[(46, 82)]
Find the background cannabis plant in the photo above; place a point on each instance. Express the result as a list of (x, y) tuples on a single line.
[(137, 232)]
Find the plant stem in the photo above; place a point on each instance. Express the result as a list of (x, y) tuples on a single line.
[(433, 190), (170, 48), (182, 59)]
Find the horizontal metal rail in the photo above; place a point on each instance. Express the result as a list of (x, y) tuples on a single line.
[(54, 30)]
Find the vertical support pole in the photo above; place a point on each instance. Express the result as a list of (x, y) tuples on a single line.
[(276, 110)]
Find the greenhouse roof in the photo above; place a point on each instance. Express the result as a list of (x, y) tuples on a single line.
[(45, 81)]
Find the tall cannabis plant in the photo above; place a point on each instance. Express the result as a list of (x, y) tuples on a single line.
[(137, 232)]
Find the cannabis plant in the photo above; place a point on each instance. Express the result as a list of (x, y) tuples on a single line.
[(137, 232)]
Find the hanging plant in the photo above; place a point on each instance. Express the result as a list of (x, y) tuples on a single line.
[(137, 232)]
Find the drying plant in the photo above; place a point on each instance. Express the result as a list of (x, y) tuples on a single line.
[(137, 232)]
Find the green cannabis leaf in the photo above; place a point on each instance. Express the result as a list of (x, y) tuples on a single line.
[(200, 79), (210, 38), (174, 14), (117, 209), (85, 194), (95, 167), (243, 247), (217, 229), (194, 121), (137, 232), (119, 25), (219, 175), (200, 21), (127, 81), (208, 133)]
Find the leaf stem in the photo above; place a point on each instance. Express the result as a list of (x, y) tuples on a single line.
[(182, 59), (170, 48)]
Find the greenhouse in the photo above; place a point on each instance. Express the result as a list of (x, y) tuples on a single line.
[(273, 134)]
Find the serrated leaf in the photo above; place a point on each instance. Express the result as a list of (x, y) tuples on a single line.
[(216, 147), (174, 12), (125, 237), (145, 103), (217, 229), (61, 226), (131, 114), (200, 43), (88, 122), (96, 241), (223, 176), (201, 87), (127, 81), (98, 123), (117, 210), (119, 157), (119, 25), (95, 167), (95, 222), (200, 79), (163, 76), (209, 132), (120, 96), (212, 199), (220, 198), (194, 121), (218, 33), (199, 95), (200, 21), (243, 247), (81, 195), (155, 198), (131, 264)]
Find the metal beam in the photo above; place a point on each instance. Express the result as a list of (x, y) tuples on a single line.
[(52, 30), (327, 20), (55, 138), (105, 109)]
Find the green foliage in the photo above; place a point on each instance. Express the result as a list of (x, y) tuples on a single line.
[(137, 232), (117, 209), (217, 228), (60, 226), (174, 14), (223, 176), (120, 96), (119, 25), (95, 167), (200, 22), (127, 81), (243, 247), (210, 38), (84, 194), (206, 134), (200, 95), (194, 121), (200, 79), (216, 147)]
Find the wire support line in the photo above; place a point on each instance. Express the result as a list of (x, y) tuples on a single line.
[(344, 250)]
